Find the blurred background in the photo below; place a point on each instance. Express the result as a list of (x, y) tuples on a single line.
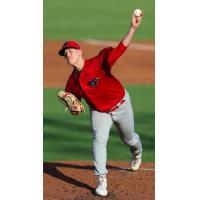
[(105, 19), (95, 25)]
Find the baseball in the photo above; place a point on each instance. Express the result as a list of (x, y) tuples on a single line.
[(137, 13)]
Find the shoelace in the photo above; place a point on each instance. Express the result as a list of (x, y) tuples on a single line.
[(136, 158), (101, 180)]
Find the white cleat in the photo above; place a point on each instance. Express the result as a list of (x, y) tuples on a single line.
[(101, 189), (136, 162)]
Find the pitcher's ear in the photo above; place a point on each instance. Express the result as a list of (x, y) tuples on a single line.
[(80, 52)]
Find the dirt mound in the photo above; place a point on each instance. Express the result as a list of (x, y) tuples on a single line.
[(75, 180)]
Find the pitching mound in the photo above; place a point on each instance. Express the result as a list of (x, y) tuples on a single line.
[(75, 180)]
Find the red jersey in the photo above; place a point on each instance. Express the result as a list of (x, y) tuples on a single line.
[(95, 83)]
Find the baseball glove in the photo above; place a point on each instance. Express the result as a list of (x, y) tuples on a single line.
[(71, 102)]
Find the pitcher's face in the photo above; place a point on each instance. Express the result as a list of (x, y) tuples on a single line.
[(72, 56)]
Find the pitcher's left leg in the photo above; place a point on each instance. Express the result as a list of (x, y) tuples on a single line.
[(123, 119)]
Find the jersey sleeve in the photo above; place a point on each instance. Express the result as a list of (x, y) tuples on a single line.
[(110, 55), (68, 86)]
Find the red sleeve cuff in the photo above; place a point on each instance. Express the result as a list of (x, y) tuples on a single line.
[(122, 46)]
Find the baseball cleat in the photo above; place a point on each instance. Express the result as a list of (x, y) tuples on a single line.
[(136, 162), (101, 189)]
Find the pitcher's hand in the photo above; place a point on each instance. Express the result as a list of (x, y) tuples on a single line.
[(135, 23)]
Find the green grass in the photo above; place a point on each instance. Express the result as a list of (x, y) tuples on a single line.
[(68, 137), (105, 19)]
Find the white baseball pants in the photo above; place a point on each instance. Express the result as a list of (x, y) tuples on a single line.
[(101, 123)]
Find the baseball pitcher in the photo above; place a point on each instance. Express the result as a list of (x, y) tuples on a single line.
[(108, 100)]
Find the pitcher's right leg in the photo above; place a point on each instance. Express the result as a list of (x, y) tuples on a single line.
[(101, 124)]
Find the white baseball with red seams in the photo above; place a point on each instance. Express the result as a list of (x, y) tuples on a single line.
[(137, 13)]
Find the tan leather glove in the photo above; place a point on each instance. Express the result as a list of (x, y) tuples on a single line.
[(70, 102)]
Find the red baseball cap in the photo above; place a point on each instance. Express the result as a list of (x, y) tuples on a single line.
[(67, 45)]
